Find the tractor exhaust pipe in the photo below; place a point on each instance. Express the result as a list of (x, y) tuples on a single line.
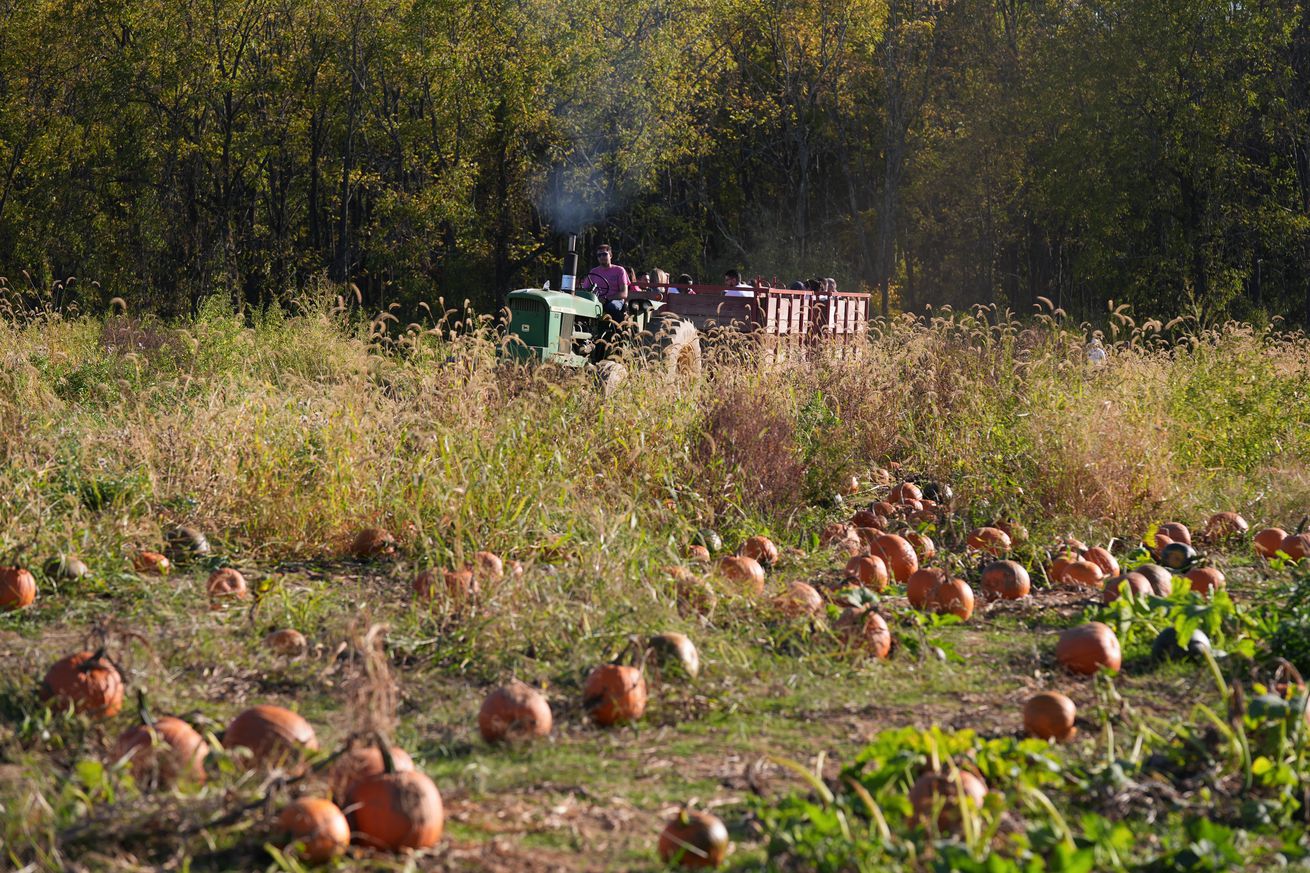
[(570, 266)]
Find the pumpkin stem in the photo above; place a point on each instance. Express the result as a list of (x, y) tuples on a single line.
[(1300, 528), (632, 652), (142, 711), (92, 662), (1287, 669), (384, 749)]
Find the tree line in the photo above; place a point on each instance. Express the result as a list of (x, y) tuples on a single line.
[(932, 152)]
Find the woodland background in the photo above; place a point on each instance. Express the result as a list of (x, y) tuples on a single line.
[(1149, 152)]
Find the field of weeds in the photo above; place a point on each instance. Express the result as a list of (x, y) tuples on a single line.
[(280, 437)]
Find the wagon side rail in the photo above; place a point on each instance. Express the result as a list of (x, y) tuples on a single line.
[(790, 318)]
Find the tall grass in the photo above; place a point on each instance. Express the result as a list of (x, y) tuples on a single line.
[(283, 435)]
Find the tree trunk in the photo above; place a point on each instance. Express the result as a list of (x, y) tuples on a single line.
[(341, 262)]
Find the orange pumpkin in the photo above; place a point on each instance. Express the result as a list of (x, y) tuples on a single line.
[(841, 537), (1084, 574), (897, 554), (1206, 580), (1268, 541), (694, 593), (17, 589), (762, 549), (744, 572), (1088, 647), (1060, 566), (163, 751), (833, 532), (1296, 546), (371, 543), (921, 584), (868, 537), (489, 566), (953, 596), (1103, 559), (1006, 580), (462, 584), (698, 553), (1138, 586), (274, 736), (679, 573), (1226, 524), (150, 563), (906, 491), (316, 830), (862, 629), (514, 712), (397, 810), (1177, 532), (869, 571), (360, 762), (457, 586), (990, 540), (884, 509), (868, 518), (87, 680), (1013, 529), (287, 641), (941, 795), (694, 839), (923, 546), (225, 586), (799, 600), (614, 694), (1050, 716), (1074, 545)]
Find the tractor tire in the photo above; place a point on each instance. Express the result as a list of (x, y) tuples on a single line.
[(609, 376), (676, 347)]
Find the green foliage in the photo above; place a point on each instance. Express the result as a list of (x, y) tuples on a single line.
[(1218, 616), (825, 446), (1291, 640), (862, 820), (947, 153)]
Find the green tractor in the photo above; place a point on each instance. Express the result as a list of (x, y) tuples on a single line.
[(569, 328)]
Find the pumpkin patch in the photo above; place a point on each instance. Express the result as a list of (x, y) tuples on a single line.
[(440, 609)]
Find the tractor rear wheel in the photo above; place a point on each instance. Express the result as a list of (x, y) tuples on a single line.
[(677, 348), (610, 375)]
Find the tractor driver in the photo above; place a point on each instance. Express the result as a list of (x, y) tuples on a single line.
[(610, 282)]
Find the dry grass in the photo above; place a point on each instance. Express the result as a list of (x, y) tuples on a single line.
[(282, 436)]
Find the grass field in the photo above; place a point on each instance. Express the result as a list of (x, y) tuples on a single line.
[(282, 436)]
